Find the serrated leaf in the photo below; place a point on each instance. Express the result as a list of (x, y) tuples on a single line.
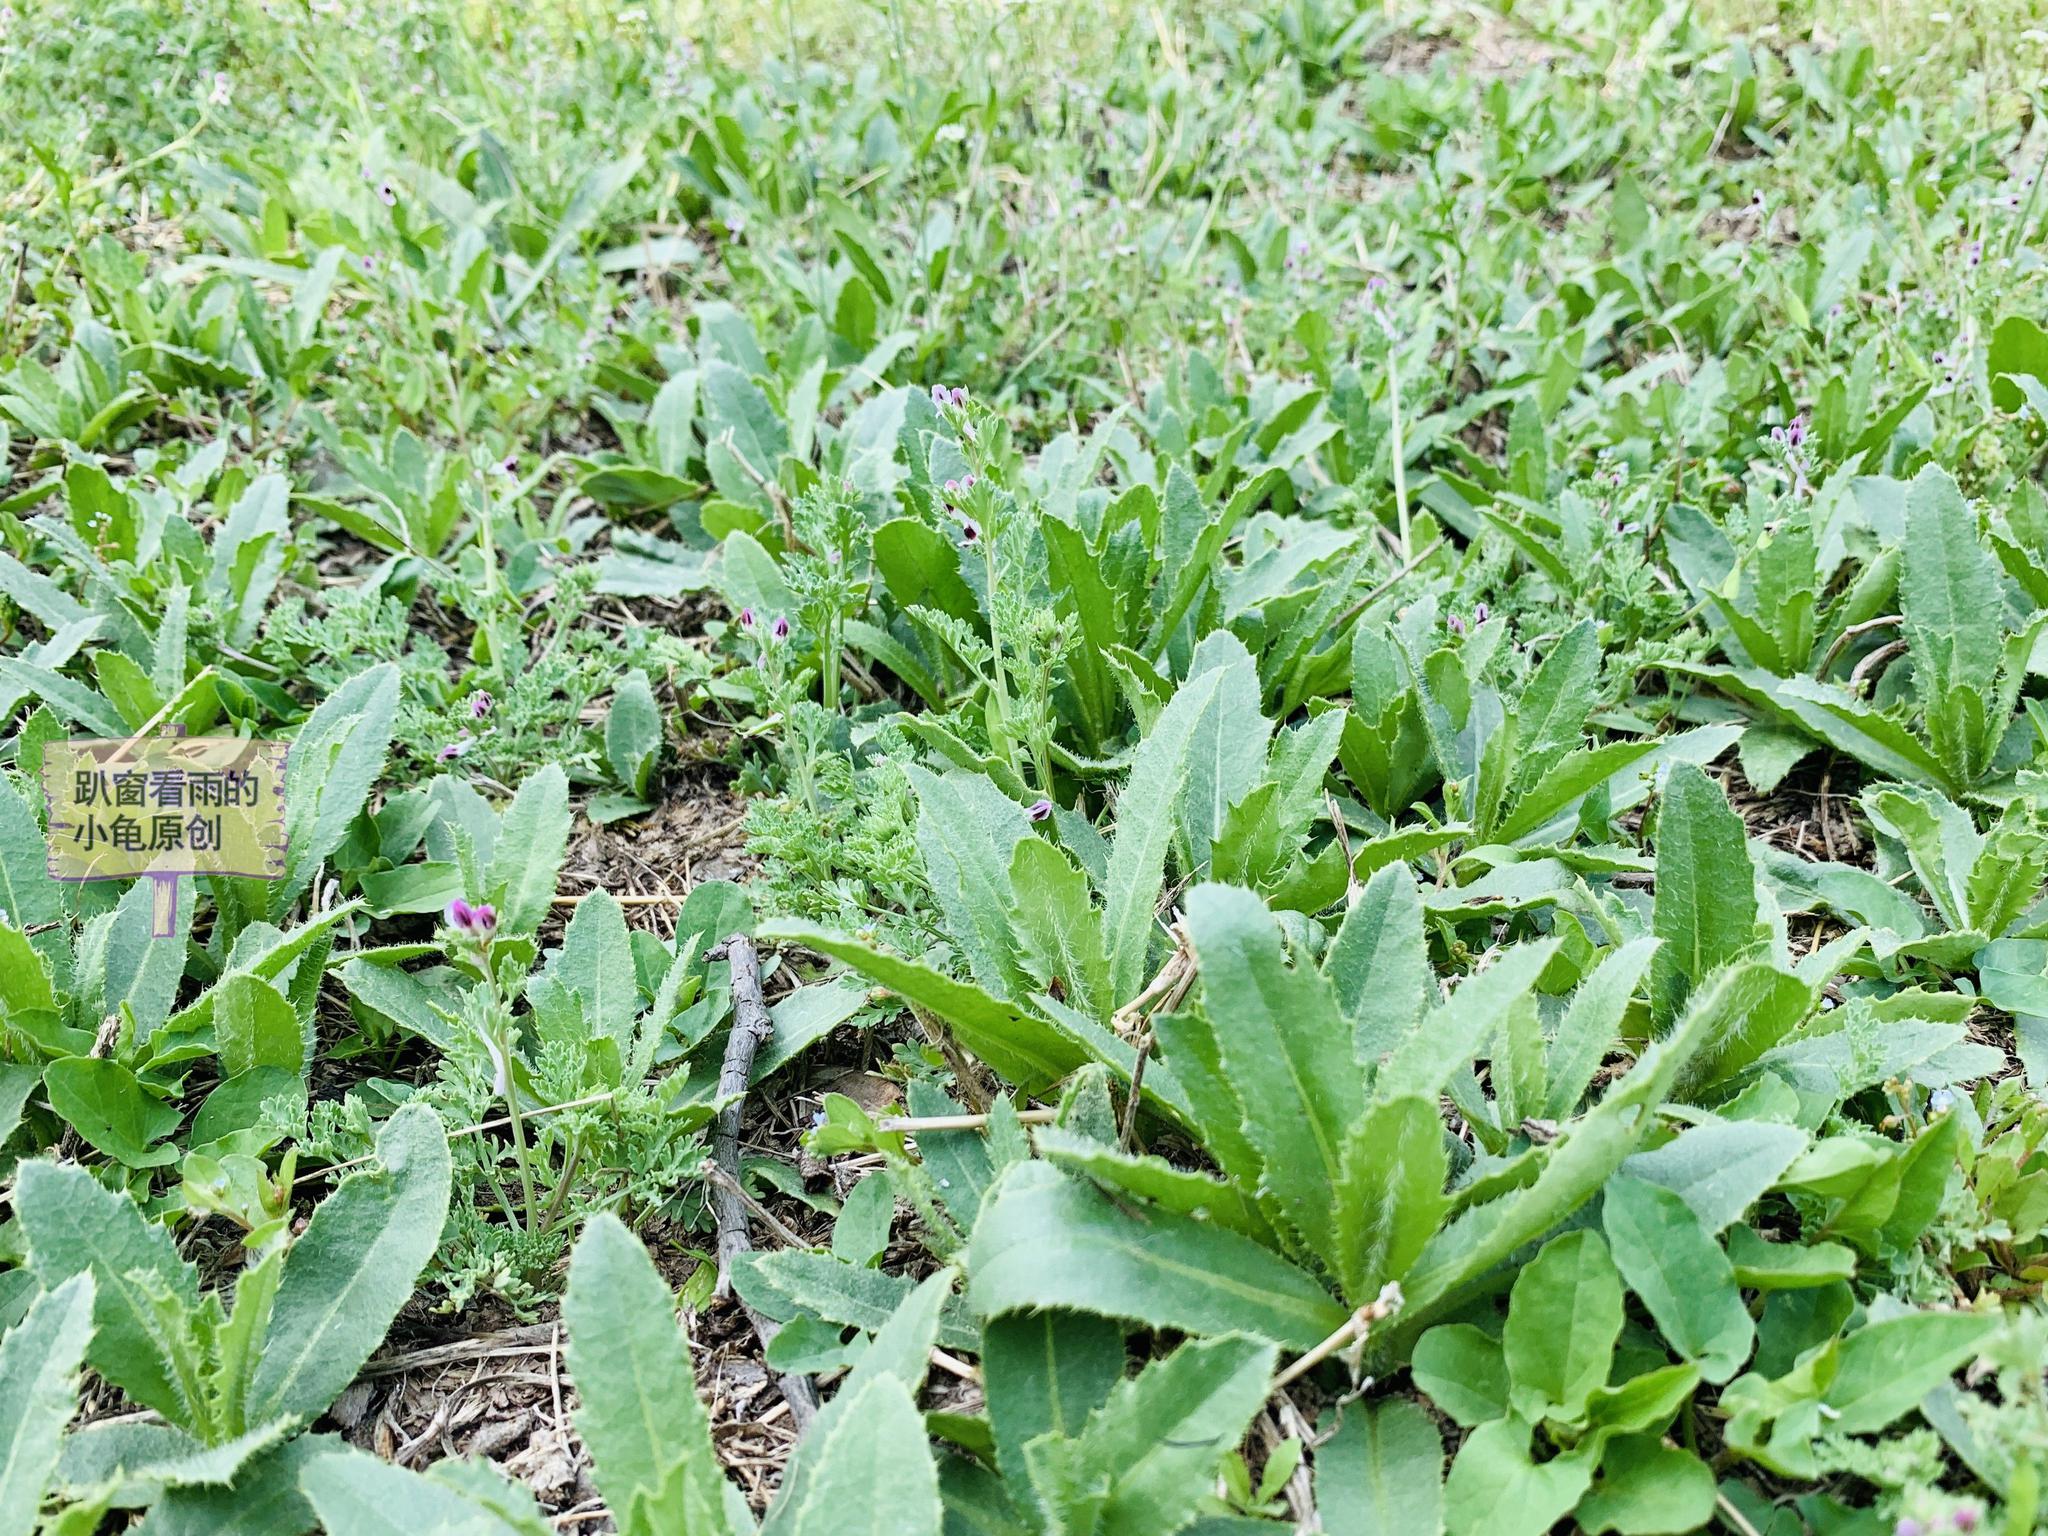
[(1390, 1198), (531, 842), (1591, 1026), (334, 760), (1151, 1450), (353, 1268), (1706, 910), (596, 965), (1045, 1240), (1378, 963), (255, 1025), (74, 1225), (1286, 1049), (39, 1364), (1029, 1052)]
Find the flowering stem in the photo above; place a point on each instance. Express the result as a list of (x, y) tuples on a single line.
[(1400, 453), (999, 727), (500, 1042)]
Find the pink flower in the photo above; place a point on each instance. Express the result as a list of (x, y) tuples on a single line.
[(472, 922), (780, 628), (1038, 810), (479, 704)]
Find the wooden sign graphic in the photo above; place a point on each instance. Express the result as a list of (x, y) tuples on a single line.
[(158, 807)]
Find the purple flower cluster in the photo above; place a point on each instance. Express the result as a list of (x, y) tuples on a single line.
[(1457, 625), (1792, 438), (478, 922), (778, 628)]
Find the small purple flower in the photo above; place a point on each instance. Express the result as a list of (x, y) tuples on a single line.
[(1964, 1519), (509, 465), (1454, 624), (970, 530), (388, 194), (455, 748), (941, 397), (368, 263), (959, 396), (952, 488), (968, 483), (1038, 810), (780, 628), (222, 89), (1480, 614), (479, 704), (472, 922), (1976, 253), (746, 618), (1908, 1526)]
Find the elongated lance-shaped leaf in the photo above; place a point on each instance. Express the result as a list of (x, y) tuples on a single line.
[(1378, 964), (353, 1268), (871, 1470), (357, 1494), (75, 1224), (1591, 1025), (1045, 1372), (1227, 755), (1951, 594), (1030, 1052), (1457, 1031), (1144, 832), (333, 763), (1286, 1049), (1058, 927), (1391, 1198), (1486, 1235), (1706, 911), (39, 1362), (899, 1354), (527, 856), (641, 1416), (967, 830), (1550, 715), (1147, 1455), (1047, 1240)]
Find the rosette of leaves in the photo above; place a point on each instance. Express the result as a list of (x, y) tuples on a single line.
[(231, 1382), (1070, 1441)]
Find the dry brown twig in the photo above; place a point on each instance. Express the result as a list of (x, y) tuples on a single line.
[(751, 1028)]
